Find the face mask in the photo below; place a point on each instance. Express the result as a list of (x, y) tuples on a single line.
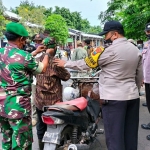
[(148, 36), (108, 41), (36, 45)]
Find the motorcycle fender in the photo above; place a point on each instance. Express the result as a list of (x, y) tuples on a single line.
[(50, 143)]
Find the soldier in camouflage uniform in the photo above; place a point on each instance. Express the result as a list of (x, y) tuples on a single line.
[(16, 69)]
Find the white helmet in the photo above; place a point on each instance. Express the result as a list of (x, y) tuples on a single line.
[(69, 93)]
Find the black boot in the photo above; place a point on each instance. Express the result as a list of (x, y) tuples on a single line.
[(144, 104), (41, 145)]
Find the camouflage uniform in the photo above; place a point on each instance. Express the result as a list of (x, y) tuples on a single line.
[(16, 69), (17, 133)]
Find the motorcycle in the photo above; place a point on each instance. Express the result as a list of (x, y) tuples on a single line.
[(72, 125)]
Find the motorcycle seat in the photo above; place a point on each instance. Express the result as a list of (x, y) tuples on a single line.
[(74, 105)]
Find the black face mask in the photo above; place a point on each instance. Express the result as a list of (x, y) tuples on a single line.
[(148, 36), (108, 41)]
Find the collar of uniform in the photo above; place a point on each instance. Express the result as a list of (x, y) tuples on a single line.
[(12, 45), (119, 40)]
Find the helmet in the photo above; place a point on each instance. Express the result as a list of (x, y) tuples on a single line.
[(70, 93)]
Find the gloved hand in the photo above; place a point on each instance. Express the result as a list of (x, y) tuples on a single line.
[(92, 60)]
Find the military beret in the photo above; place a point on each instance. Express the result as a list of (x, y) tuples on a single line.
[(17, 28)]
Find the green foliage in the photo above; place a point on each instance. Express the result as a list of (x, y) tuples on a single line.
[(31, 13), (23, 4), (39, 14), (2, 19), (57, 27), (95, 30), (134, 14), (73, 19)]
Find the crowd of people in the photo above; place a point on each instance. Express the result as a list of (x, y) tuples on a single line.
[(30, 78)]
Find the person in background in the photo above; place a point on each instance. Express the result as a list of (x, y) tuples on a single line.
[(28, 47), (68, 52), (119, 80), (140, 47), (146, 72), (79, 52), (88, 46), (58, 52), (48, 90), (4, 41), (38, 38), (134, 43), (16, 70)]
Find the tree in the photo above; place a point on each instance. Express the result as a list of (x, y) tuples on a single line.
[(31, 14), (23, 4), (73, 19), (2, 19), (37, 14), (95, 30), (133, 14), (57, 27)]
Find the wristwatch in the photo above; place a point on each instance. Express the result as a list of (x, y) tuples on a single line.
[(48, 55)]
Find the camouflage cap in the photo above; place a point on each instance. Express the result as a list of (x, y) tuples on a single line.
[(17, 28)]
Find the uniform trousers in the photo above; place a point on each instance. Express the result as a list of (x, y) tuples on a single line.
[(121, 121), (17, 133), (34, 115), (147, 92)]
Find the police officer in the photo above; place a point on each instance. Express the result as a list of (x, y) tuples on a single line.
[(119, 81), (146, 72), (16, 69)]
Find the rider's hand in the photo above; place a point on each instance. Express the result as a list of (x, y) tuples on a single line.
[(59, 62), (40, 48)]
